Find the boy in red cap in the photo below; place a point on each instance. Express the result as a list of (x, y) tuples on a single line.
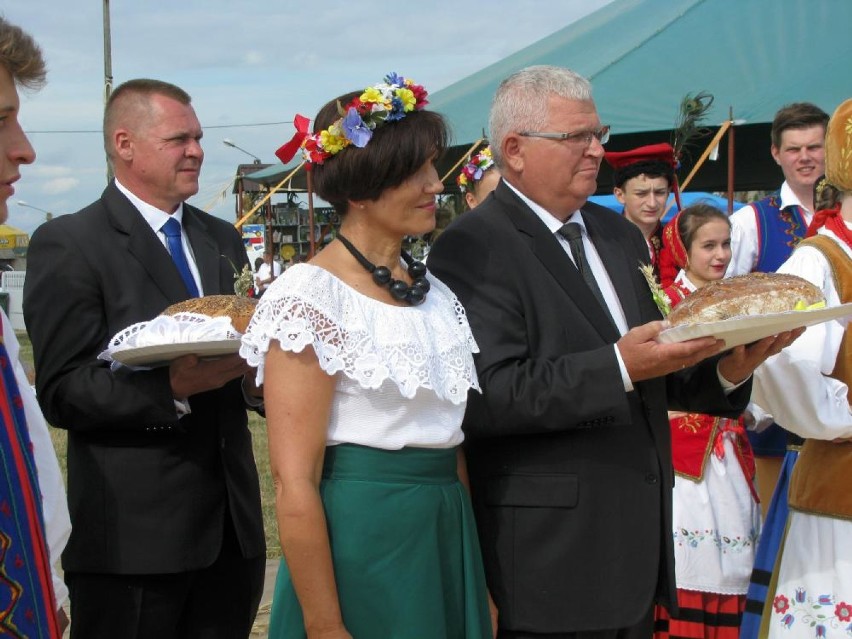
[(642, 180)]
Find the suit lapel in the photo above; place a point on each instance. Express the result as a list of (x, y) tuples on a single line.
[(616, 260), (553, 257), (205, 250), (145, 247)]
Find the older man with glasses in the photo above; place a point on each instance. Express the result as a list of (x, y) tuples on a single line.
[(568, 445)]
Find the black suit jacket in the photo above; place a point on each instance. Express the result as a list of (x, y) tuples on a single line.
[(571, 476), (148, 492)]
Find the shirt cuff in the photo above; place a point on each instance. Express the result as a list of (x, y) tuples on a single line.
[(625, 378), (182, 407), (727, 386)]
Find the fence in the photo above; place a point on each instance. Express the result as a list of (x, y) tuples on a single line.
[(12, 282)]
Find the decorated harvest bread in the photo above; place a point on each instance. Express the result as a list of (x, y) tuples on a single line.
[(752, 294), (238, 308)]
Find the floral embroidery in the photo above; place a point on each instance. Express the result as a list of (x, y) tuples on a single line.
[(692, 538), (691, 422), (822, 612), (795, 228)]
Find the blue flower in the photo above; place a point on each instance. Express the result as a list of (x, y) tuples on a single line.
[(820, 630), (394, 78), (787, 620), (800, 595), (397, 111), (825, 600), (355, 130)]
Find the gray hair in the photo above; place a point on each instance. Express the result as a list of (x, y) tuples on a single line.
[(520, 103)]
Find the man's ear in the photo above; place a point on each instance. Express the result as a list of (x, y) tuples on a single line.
[(619, 194), (513, 153), (776, 153), (122, 141)]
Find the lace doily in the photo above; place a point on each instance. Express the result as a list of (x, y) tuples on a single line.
[(180, 328), (428, 346)]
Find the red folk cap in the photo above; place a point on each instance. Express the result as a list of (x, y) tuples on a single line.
[(662, 152)]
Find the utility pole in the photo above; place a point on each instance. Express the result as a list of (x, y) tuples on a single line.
[(107, 72)]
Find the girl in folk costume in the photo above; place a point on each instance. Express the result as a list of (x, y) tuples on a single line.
[(807, 391), (716, 519), (478, 177)]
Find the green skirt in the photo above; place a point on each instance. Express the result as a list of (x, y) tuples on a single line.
[(403, 541)]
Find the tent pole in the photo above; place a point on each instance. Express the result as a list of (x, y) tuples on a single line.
[(725, 126), (239, 223), (731, 162)]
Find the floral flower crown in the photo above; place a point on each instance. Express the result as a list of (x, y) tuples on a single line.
[(379, 104), (475, 168)]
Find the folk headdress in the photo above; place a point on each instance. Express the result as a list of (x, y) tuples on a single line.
[(380, 104), (474, 169), (838, 170), (654, 158)]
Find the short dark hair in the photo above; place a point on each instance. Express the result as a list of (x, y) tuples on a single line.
[(136, 93), (21, 56), (396, 151), (695, 216), (798, 115), (650, 168)]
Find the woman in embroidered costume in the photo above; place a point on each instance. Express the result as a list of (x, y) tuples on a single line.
[(807, 392), (366, 361), (478, 177), (716, 518)]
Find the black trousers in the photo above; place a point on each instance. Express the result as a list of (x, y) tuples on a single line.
[(642, 630), (217, 602)]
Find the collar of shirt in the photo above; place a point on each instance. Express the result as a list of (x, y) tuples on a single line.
[(152, 215), (788, 198), (550, 221)]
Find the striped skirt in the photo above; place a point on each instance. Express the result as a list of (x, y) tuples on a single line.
[(703, 615), (403, 540)]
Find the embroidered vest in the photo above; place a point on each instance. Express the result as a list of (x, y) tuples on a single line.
[(823, 473), (778, 232), (26, 585)]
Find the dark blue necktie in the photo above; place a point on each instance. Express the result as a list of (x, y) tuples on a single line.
[(172, 231)]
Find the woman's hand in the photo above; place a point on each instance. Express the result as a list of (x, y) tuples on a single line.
[(492, 611)]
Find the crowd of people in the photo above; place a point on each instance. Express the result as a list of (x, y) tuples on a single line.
[(495, 445)]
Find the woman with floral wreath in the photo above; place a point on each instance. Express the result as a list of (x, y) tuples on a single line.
[(478, 177), (366, 361), (716, 517)]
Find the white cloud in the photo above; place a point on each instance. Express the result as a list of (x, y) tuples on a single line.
[(60, 185)]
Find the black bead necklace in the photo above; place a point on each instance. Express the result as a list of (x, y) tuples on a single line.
[(414, 294)]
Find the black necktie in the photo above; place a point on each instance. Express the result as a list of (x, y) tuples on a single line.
[(573, 232)]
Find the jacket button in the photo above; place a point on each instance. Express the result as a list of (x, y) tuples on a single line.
[(650, 478)]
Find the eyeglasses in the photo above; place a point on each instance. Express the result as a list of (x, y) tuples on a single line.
[(583, 138)]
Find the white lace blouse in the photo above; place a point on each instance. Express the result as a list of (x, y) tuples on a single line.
[(403, 373)]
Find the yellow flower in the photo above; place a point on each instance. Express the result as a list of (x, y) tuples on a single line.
[(372, 94), (332, 139), (407, 98)]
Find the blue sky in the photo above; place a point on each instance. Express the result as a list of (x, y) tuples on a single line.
[(249, 68)]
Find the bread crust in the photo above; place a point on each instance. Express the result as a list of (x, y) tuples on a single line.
[(752, 294), (239, 309)]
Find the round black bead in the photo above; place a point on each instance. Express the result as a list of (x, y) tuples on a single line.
[(382, 275), (415, 296), (417, 269), (422, 284), (399, 289)]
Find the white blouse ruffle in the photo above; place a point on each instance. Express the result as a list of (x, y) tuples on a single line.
[(428, 346)]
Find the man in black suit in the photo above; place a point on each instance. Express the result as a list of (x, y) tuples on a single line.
[(568, 446), (167, 536)]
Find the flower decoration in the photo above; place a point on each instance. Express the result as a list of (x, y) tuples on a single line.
[(475, 168), (388, 101)]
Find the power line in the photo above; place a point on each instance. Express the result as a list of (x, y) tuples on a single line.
[(214, 126)]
